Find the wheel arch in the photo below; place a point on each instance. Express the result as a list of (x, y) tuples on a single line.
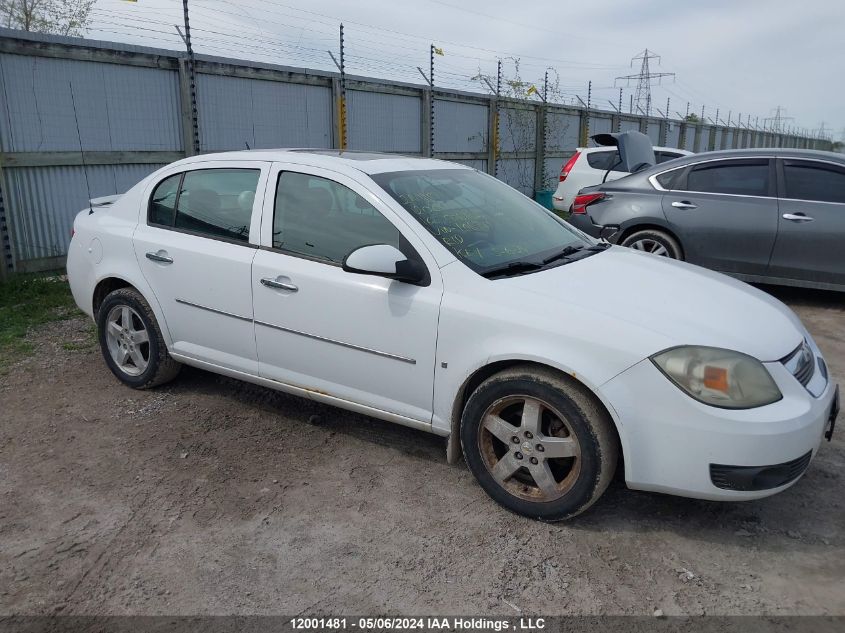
[(453, 447), (114, 281), (651, 226)]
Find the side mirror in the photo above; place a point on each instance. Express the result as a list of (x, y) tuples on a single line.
[(383, 260)]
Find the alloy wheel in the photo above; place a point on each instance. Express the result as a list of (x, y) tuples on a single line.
[(529, 448), (128, 340)]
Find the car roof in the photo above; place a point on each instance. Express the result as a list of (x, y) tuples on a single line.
[(756, 152), (367, 162), (611, 148)]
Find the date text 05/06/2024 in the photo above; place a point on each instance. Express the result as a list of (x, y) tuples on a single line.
[(418, 624)]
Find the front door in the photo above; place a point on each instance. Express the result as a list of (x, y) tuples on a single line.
[(726, 214), (362, 339), (811, 222), (195, 250)]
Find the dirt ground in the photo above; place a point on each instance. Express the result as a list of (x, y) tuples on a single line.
[(211, 496)]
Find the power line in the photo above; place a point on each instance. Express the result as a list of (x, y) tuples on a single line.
[(642, 96)]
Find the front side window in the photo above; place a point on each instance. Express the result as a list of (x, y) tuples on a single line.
[(482, 221), (747, 178), (814, 181), (213, 203), (323, 219)]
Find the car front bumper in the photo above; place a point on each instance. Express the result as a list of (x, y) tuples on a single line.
[(677, 445)]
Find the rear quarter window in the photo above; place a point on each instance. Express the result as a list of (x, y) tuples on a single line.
[(604, 160)]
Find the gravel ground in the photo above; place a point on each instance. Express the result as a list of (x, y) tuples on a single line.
[(211, 496)]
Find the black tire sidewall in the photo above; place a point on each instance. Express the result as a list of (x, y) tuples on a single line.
[(131, 299), (662, 238), (580, 495)]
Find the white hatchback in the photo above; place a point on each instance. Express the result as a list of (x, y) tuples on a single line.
[(431, 295), (589, 165)]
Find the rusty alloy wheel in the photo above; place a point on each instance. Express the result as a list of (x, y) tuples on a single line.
[(529, 448)]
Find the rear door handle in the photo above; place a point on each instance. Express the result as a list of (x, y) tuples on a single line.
[(683, 204), (279, 285), (161, 257), (797, 217)]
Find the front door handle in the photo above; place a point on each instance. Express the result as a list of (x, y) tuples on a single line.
[(279, 285), (683, 204), (797, 217), (161, 257)]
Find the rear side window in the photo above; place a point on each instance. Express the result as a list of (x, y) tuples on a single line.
[(604, 160), (814, 181), (668, 179), (213, 203), (323, 219), (163, 201), (746, 177)]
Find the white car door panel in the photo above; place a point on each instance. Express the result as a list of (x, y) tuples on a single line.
[(364, 339), (199, 266)]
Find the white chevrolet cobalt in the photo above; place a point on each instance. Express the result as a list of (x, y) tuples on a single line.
[(431, 295)]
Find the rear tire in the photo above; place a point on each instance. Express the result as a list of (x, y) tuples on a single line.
[(539, 443), (655, 242), (131, 341)]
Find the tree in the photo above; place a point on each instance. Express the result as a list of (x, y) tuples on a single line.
[(692, 118), (65, 17)]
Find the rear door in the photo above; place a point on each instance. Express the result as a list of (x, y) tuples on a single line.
[(195, 249), (811, 223), (725, 213)]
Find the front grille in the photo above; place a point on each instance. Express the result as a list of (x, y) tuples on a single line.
[(801, 363), (745, 478)]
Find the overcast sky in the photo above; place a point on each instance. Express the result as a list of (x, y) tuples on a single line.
[(740, 56)]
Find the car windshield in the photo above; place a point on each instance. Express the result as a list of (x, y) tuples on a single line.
[(487, 224)]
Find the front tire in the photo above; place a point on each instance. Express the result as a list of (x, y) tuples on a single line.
[(538, 443), (131, 341), (655, 242)]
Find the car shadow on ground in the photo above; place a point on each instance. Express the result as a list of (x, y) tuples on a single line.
[(808, 297), (799, 513)]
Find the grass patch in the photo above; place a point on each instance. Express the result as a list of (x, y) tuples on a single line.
[(27, 301)]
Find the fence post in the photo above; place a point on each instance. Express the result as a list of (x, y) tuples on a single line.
[(492, 135), (426, 131), (540, 148), (6, 261), (187, 111), (337, 131)]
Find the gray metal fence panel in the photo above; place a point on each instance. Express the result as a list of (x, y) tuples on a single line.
[(384, 122), (518, 173), (689, 138), (704, 138), (717, 144), (653, 131), (517, 130), (600, 125), (235, 112), (118, 107), (627, 125), (562, 131), (673, 134), (44, 201), (459, 127)]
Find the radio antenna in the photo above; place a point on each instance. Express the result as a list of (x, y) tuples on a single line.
[(79, 138)]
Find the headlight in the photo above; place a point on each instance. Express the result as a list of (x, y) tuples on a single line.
[(719, 377)]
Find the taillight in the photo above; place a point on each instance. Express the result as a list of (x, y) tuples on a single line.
[(72, 231), (564, 171), (584, 200)]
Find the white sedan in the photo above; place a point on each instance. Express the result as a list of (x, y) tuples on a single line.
[(431, 295)]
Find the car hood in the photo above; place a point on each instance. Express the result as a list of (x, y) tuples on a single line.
[(685, 304)]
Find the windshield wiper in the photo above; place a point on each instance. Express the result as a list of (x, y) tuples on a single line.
[(581, 250), (513, 268)]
